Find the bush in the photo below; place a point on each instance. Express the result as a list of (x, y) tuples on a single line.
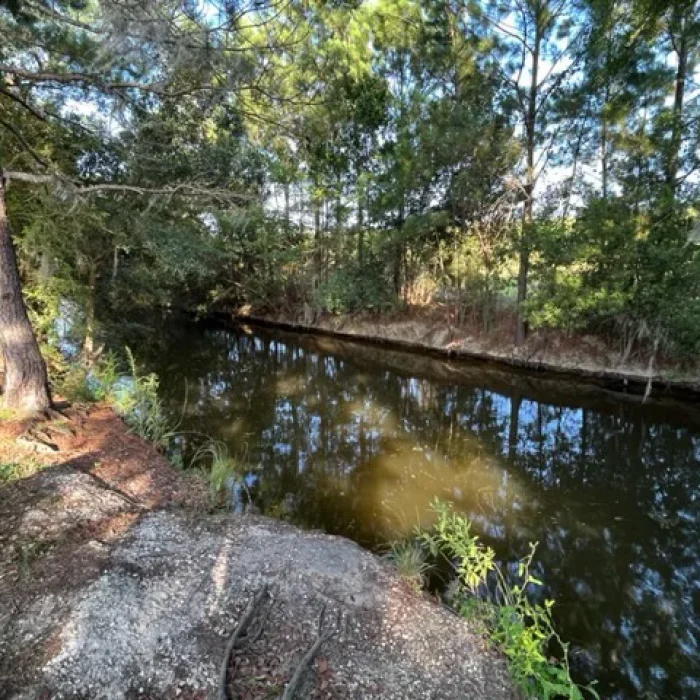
[(523, 630), (349, 289), (13, 471)]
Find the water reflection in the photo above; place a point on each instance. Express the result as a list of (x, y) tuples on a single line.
[(358, 441)]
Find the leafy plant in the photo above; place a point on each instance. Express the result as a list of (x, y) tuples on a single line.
[(522, 629), (350, 289)]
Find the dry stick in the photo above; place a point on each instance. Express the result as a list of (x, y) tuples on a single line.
[(240, 628), (260, 628), (291, 688)]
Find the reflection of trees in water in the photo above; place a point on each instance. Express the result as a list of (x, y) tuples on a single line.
[(610, 496)]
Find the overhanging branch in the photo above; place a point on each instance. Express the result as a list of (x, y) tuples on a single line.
[(77, 188)]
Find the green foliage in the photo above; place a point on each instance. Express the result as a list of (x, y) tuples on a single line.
[(74, 384), (637, 275), (13, 471), (407, 179), (522, 629), (136, 400), (349, 289), (78, 382)]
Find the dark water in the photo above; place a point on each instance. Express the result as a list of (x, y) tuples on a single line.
[(358, 440)]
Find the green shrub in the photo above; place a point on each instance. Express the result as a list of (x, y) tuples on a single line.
[(349, 289), (13, 471), (523, 630)]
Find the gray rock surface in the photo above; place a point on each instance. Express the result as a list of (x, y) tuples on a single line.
[(149, 616)]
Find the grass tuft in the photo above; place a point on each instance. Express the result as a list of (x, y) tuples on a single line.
[(135, 398), (225, 473), (408, 557)]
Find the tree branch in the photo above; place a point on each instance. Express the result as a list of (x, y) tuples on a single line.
[(78, 188), (25, 144)]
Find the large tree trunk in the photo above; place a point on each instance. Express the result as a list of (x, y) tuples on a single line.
[(26, 386)]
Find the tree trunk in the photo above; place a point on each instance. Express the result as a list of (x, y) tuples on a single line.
[(318, 253), (360, 233), (89, 344), (680, 44), (530, 119), (604, 157), (524, 263), (26, 386), (604, 153), (115, 265)]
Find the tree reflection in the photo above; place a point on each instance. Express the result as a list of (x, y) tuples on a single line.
[(347, 440)]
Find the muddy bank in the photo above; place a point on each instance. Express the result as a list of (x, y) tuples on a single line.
[(582, 357), (114, 583)]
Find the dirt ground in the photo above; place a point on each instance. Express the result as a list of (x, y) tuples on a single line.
[(115, 582)]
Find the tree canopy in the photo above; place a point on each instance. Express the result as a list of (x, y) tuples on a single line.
[(526, 163)]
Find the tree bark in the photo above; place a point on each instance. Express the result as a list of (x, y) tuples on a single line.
[(26, 386), (360, 233), (115, 265), (89, 344), (531, 116), (680, 44)]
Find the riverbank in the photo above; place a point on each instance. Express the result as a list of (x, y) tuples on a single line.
[(554, 352), (116, 582)]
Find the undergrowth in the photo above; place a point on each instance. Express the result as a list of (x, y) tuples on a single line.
[(132, 394), (522, 629), (13, 471), (135, 398)]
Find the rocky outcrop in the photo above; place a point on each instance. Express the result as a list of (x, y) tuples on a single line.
[(101, 598)]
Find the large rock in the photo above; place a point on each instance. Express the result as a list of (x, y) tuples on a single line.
[(149, 615)]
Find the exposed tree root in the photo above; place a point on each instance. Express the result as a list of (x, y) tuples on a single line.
[(321, 638), (241, 628), (43, 427), (38, 440)]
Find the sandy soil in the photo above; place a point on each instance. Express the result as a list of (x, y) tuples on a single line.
[(116, 583)]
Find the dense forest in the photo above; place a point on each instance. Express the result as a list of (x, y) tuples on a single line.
[(526, 164)]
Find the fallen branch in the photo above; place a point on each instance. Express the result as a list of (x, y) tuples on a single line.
[(233, 640), (321, 638)]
